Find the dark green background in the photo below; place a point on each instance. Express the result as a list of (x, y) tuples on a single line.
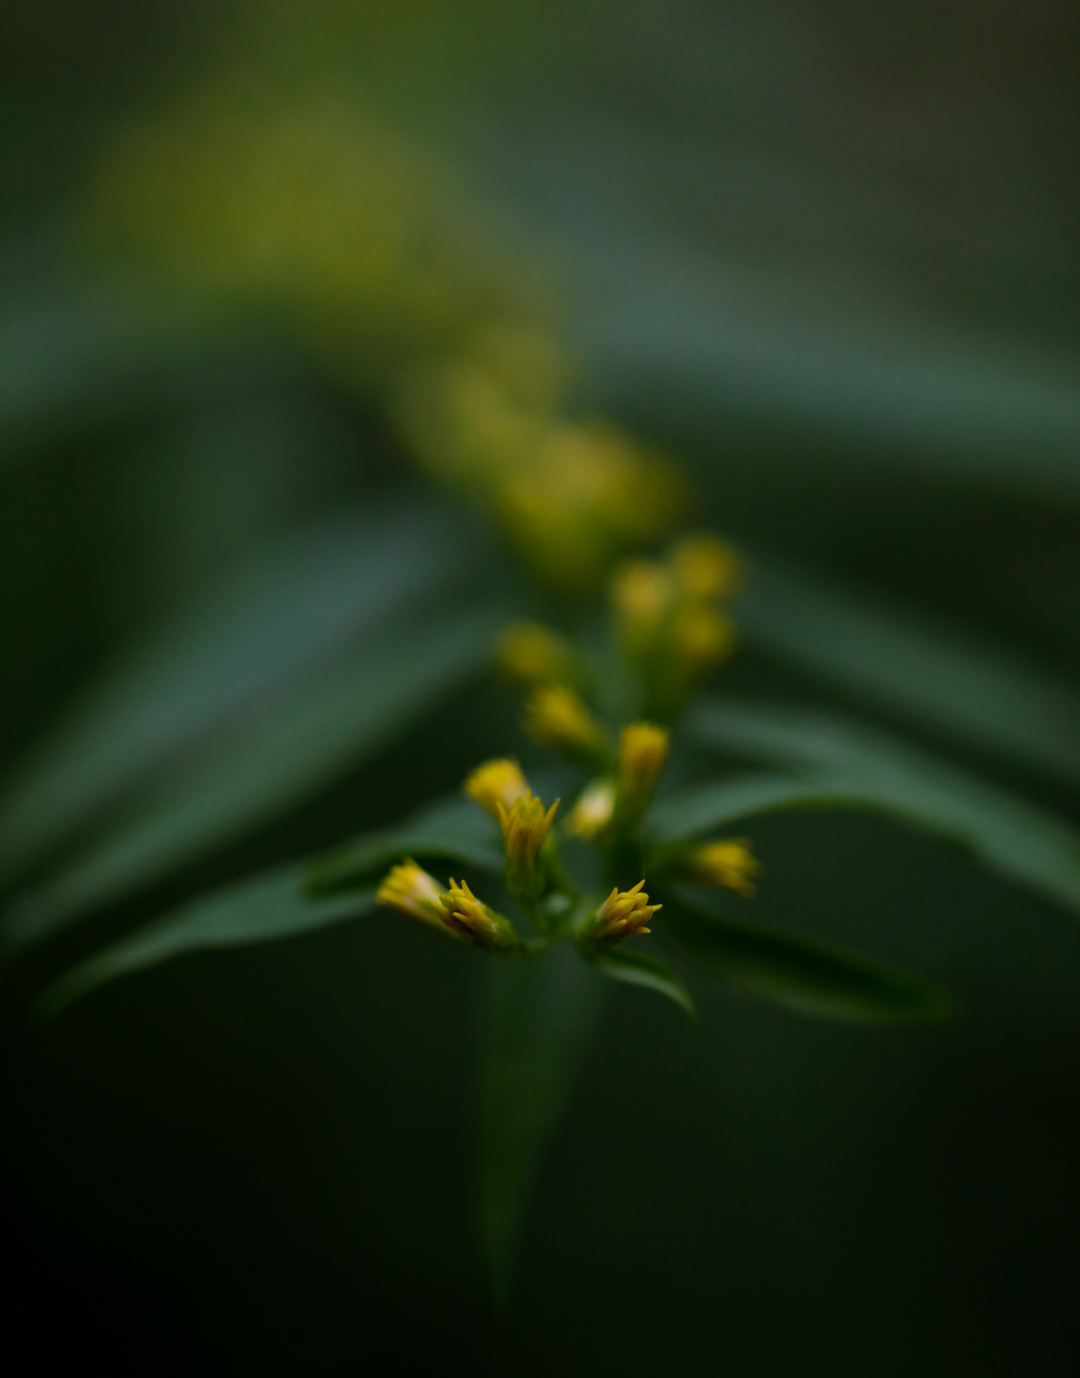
[(265, 1157)]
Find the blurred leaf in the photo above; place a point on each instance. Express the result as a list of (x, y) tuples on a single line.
[(804, 974), (851, 764), (323, 726), (312, 594), (722, 802), (975, 690), (641, 969), (542, 1014), (453, 829), (270, 906)]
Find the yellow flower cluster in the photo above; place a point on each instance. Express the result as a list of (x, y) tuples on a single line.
[(668, 618), (570, 494)]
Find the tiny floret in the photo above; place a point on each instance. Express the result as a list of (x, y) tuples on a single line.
[(623, 914), (556, 717), (409, 889), (593, 811), (525, 828), (497, 785), (701, 639), (705, 567), (643, 749), (729, 863), (468, 917), (531, 654), (643, 594)]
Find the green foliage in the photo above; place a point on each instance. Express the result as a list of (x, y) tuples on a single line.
[(339, 639)]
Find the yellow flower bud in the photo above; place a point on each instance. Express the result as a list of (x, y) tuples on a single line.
[(704, 567), (593, 811), (623, 914), (496, 785), (525, 828), (643, 749), (729, 863), (557, 718), (643, 594), (532, 654), (468, 917), (701, 639), (409, 889)]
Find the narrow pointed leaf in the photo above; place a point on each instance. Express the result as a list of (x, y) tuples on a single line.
[(315, 595), (636, 968), (267, 907), (284, 754), (980, 692), (843, 757), (454, 829), (541, 1017), (804, 974)]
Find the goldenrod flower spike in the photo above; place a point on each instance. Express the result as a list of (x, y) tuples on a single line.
[(496, 785), (556, 717), (468, 917), (593, 811), (409, 889), (525, 827), (704, 567), (532, 654), (643, 749), (624, 914), (729, 863)]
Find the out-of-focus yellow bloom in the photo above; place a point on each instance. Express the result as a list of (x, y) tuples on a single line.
[(587, 493), (555, 717), (468, 917), (531, 654), (729, 863), (530, 366), (643, 749), (700, 639), (643, 594), (409, 889), (525, 828), (496, 785), (623, 914), (705, 567), (360, 234), (593, 811)]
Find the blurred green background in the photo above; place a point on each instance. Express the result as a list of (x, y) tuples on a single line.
[(826, 255)]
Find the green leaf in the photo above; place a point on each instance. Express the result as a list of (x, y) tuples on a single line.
[(723, 802), (294, 746), (281, 621), (806, 975), (637, 968), (966, 688), (454, 829), (258, 910), (849, 764), (542, 1014), (73, 361)]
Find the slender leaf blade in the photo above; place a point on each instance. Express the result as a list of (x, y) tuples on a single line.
[(974, 690), (843, 757), (313, 595), (284, 754), (804, 974), (636, 968), (541, 1017), (265, 908)]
